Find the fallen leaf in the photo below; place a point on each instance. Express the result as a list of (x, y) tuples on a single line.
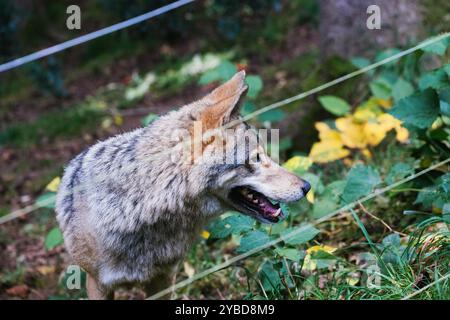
[(205, 234), (189, 269), (20, 290), (54, 184), (45, 270)]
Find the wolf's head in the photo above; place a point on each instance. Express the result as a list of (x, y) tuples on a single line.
[(230, 159)]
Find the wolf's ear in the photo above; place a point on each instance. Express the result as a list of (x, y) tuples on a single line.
[(223, 102)]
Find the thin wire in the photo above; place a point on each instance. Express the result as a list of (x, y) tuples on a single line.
[(346, 77), (291, 234), (21, 212), (278, 104), (93, 35), (426, 287)]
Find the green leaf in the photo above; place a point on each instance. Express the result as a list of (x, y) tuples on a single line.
[(380, 90), (252, 240), (247, 108), (392, 240), (446, 212), (289, 253), (387, 54), (335, 105), (436, 80), (54, 238), (399, 171), (285, 143), (308, 233), (439, 47), (360, 62), (402, 89), (239, 223), (47, 200), (270, 278), (222, 73), (446, 68), (272, 115), (314, 181), (444, 101), (323, 207), (419, 110), (255, 85), (426, 197), (219, 229), (361, 180), (149, 119)]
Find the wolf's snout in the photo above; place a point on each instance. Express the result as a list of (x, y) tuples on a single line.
[(306, 187)]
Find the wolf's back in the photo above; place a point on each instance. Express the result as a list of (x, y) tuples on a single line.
[(90, 171)]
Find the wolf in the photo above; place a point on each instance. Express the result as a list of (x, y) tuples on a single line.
[(131, 206)]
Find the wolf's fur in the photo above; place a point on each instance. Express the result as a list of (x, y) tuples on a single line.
[(129, 212)]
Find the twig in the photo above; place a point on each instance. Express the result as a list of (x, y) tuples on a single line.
[(220, 294), (380, 220), (426, 287)]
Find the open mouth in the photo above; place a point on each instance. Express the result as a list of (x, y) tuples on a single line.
[(256, 204)]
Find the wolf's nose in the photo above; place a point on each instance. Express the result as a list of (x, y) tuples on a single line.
[(306, 187)]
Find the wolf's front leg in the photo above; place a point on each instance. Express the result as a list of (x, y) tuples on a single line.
[(96, 291)]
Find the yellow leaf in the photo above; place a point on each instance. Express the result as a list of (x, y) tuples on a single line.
[(402, 134), (364, 114), (205, 234), (374, 133), (348, 162), (45, 270), (327, 151), (330, 148), (309, 263), (118, 120), (385, 103), (437, 124), (328, 249), (352, 133), (325, 132), (189, 269), (366, 153), (310, 196), (387, 121), (100, 105), (298, 163), (54, 184), (106, 123), (352, 281)]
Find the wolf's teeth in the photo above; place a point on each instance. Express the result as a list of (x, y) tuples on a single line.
[(250, 196), (277, 213), (255, 201)]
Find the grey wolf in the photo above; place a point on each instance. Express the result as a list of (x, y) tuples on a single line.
[(129, 212)]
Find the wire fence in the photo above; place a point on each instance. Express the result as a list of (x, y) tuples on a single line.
[(91, 36)]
